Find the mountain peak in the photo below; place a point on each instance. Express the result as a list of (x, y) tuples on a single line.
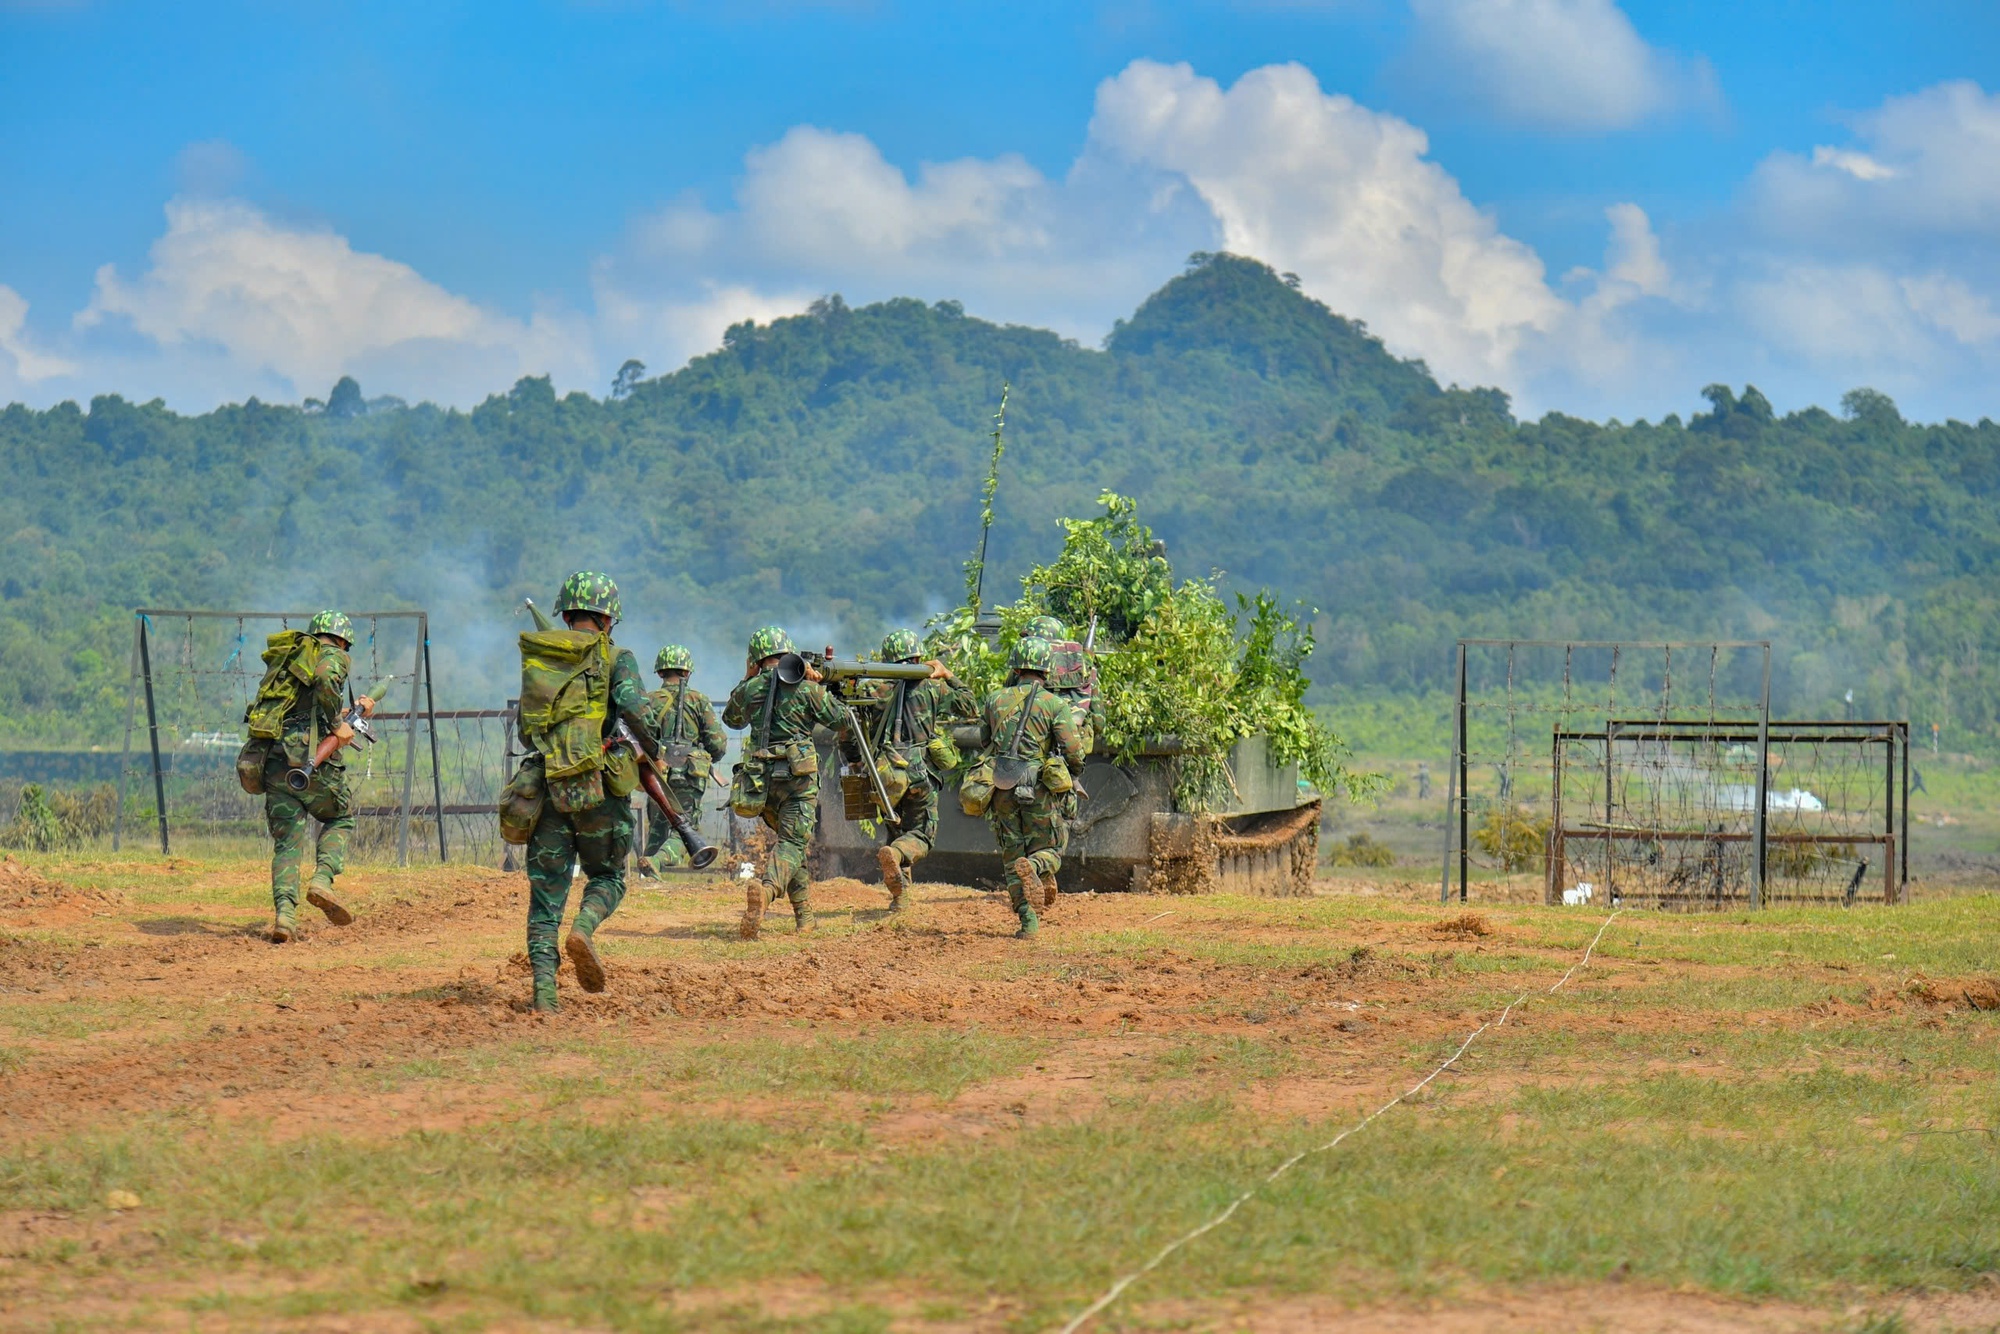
[(1246, 310)]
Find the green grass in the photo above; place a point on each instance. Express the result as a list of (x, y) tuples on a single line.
[(1745, 1188)]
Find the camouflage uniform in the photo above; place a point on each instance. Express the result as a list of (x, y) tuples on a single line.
[(907, 717), (1073, 676), (695, 726), (791, 804), (598, 837), (326, 798), (1029, 823)]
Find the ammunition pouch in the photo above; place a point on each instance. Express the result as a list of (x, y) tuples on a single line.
[(975, 794), (521, 801), (1055, 776), (894, 771), (786, 760), (250, 764), (749, 787), (942, 755), (577, 792), (621, 772)]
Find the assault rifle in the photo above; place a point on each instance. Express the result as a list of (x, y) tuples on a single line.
[(352, 727)]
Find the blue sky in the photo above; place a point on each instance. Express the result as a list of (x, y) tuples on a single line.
[(1599, 207)]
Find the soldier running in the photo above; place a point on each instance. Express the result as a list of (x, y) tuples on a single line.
[(299, 701), (1030, 733), (577, 690), (777, 780), (912, 715), (691, 741)]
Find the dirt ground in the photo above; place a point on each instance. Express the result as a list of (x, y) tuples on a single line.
[(141, 993)]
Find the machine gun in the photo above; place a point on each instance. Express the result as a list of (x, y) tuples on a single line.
[(352, 727), (843, 672)]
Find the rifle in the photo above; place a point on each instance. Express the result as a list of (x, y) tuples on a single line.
[(352, 726), (791, 670), (701, 854)]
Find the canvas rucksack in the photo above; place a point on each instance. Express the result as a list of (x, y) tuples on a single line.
[(291, 660)]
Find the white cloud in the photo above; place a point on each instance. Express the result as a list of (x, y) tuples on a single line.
[(29, 363), (671, 331), (1346, 198), (1556, 64), (1926, 167), (1858, 165), (228, 284)]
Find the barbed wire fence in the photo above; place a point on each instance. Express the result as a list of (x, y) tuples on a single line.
[(194, 671), (1651, 772)]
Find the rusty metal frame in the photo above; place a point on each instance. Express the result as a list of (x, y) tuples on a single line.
[(1894, 839)]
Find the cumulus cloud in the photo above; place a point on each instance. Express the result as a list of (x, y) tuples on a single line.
[(229, 284), (1873, 258), (1555, 64), (29, 363), (1348, 199)]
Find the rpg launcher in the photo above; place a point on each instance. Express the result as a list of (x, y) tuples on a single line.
[(792, 670), (352, 728), (701, 854)]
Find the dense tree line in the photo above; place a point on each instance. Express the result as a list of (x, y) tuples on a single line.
[(825, 470)]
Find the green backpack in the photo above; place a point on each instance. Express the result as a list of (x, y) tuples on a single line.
[(291, 660), (565, 695)]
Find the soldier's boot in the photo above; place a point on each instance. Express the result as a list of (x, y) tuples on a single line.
[(319, 893), (546, 1000), (1024, 895), (582, 950), (756, 893), (284, 923), (645, 869), (802, 913), (1049, 892), (892, 875)]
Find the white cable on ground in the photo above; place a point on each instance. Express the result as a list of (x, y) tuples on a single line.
[(1117, 1289)]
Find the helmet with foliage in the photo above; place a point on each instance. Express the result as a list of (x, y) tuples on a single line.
[(1047, 627), (587, 590), (1030, 655), (332, 623), (673, 658), (769, 641), (901, 646)]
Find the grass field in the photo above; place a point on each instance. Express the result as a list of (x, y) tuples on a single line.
[(914, 1122)]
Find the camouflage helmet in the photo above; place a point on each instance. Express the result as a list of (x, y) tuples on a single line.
[(587, 590), (332, 623), (1030, 655), (901, 646), (1047, 627), (769, 641), (673, 658)]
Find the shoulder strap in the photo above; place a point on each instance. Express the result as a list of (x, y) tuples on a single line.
[(763, 735), (680, 696), (1027, 711)]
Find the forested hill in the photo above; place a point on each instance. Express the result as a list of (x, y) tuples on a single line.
[(825, 470)]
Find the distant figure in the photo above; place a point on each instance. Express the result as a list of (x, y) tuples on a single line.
[(1506, 777), (1030, 746), (1423, 780), (1916, 780), (691, 741)]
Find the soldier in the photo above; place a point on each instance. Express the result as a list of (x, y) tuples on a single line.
[(320, 658), (576, 690), (912, 715), (1073, 676), (777, 780), (1026, 726), (691, 741)]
